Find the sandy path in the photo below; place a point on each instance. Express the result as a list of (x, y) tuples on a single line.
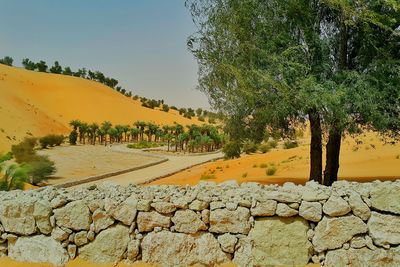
[(78, 162), (174, 164)]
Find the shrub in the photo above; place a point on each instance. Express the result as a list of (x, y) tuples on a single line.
[(165, 107), (40, 169), (24, 151), (244, 175), (290, 144), (299, 133), (73, 137), (205, 176), (144, 144), (231, 150), (6, 157), (271, 170), (51, 140), (272, 144), (211, 121), (201, 118), (249, 147), (264, 148), (263, 165)]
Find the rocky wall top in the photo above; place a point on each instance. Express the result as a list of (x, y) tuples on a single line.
[(250, 224)]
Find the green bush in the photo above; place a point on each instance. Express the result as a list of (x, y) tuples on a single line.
[(40, 169), (290, 144), (73, 137), (250, 147), (165, 108), (231, 150), (263, 165), (271, 170), (205, 176), (201, 118), (24, 151), (144, 144), (273, 144), (6, 157), (264, 148), (51, 140)]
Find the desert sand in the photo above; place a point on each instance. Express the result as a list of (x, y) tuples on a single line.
[(34, 103), (81, 161), (368, 161)]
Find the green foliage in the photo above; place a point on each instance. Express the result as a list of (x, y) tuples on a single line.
[(264, 148), (232, 150), (6, 157), (57, 69), (7, 61), (40, 169), (28, 64), (41, 66), (271, 170), (201, 118), (165, 107), (290, 144), (249, 147), (13, 178), (51, 140), (144, 144), (273, 144), (73, 137), (263, 165), (24, 151), (206, 176)]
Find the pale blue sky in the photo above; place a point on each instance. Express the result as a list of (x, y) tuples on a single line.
[(142, 43)]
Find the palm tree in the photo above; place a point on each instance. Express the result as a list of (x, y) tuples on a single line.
[(152, 130), (83, 129), (126, 130), (178, 129), (75, 124), (169, 137), (135, 133), (14, 178), (92, 130), (113, 133), (120, 131), (105, 127)]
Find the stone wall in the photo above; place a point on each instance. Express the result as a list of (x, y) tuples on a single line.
[(349, 224)]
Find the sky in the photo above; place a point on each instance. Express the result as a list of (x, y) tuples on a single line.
[(141, 43)]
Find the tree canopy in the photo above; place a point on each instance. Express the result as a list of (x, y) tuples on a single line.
[(274, 64)]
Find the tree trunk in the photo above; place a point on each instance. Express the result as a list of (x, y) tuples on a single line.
[(332, 157), (315, 147)]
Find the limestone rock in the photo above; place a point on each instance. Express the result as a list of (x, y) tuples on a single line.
[(313, 194), (363, 257), (178, 249), (164, 207), (187, 221), (198, 205), (75, 215), (16, 216), (227, 242), (358, 206), (133, 249), (280, 241), (336, 206), (144, 205), (38, 249), (101, 220), (108, 247), (59, 234), (285, 197), (42, 212), (266, 208), (384, 229), (332, 233), (284, 210), (126, 211), (147, 221), (80, 238), (386, 197), (311, 211), (358, 242), (71, 249), (243, 255), (226, 221)]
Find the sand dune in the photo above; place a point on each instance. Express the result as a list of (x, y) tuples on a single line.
[(33, 103), (368, 161)]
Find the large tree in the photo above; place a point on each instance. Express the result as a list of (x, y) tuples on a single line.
[(274, 64)]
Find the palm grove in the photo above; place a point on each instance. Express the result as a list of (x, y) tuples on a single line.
[(274, 65)]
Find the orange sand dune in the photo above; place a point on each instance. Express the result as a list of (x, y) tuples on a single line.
[(364, 162), (42, 103)]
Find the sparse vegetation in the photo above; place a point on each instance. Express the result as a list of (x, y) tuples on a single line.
[(231, 150), (273, 144), (264, 148), (263, 165), (206, 176), (51, 140), (7, 61), (249, 147), (6, 157), (271, 170), (244, 175), (14, 177), (144, 144), (290, 144)]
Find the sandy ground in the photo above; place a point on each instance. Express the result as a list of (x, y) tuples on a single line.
[(77, 162), (33, 103), (174, 164), (368, 161)]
